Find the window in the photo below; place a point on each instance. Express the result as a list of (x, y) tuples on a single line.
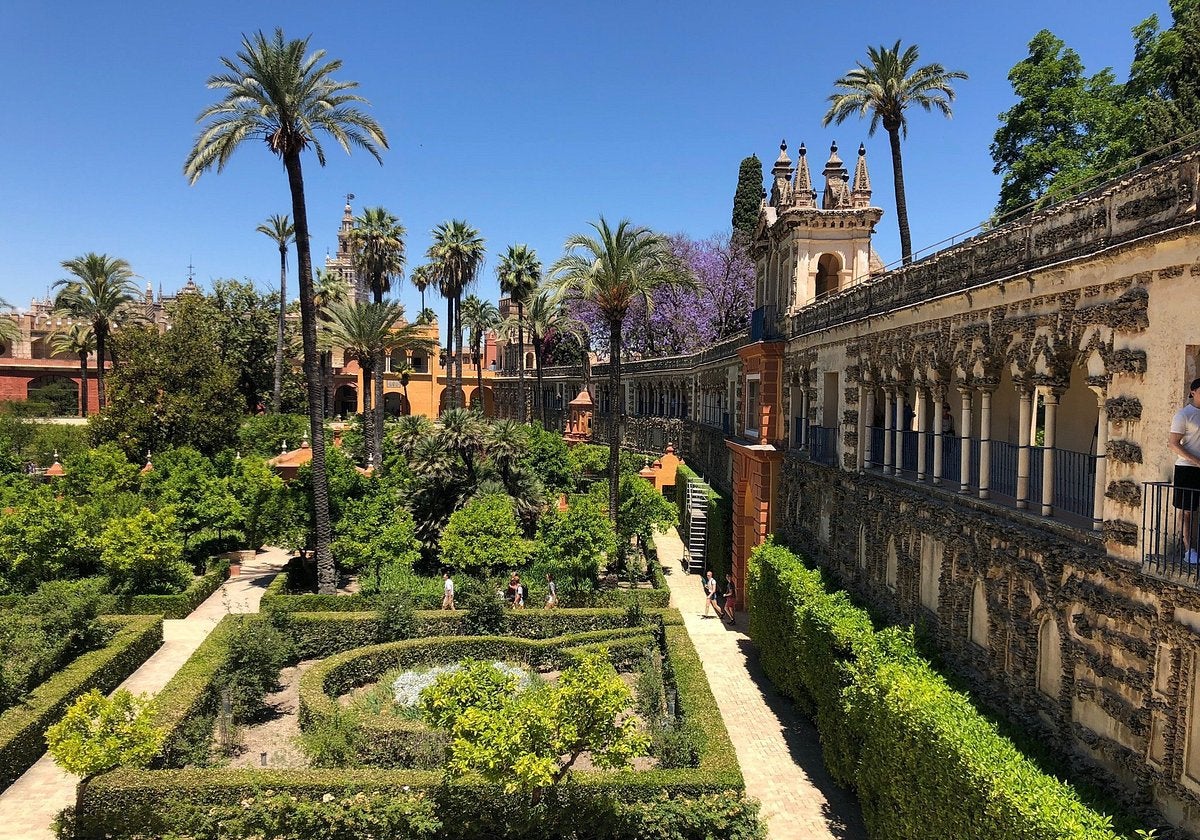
[(753, 418), (418, 362)]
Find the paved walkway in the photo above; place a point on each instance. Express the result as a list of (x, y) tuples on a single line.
[(30, 804), (776, 746)]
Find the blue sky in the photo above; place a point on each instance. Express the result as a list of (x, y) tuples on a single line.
[(527, 119)]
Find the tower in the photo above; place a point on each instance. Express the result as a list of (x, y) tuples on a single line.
[(342, 265)]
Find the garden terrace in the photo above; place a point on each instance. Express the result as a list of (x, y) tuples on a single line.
[(167, 799)]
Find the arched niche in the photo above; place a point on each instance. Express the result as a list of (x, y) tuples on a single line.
[(892, 563), (979, 614), (1049, 673), (862, 546)]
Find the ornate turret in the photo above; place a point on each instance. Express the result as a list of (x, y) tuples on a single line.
[(783, 176), (342, 264), (861, 194), (837, 182), (802, 191)]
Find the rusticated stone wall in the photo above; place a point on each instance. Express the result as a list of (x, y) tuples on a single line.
[(1076, 646)]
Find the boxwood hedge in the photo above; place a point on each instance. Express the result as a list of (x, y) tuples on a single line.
[(23, 727), (146, 802), (924, 762)]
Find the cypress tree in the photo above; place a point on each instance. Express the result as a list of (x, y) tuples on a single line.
[(747, 197)]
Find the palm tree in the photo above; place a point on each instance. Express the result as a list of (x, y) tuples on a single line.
[(422, 278), (479, 316), (10, 330), (368, 331), (519, 273), (457, 255), (328, 289), (280, 229), (546, 317), (886, 87), (609, 272), (78, 340), (98, 292), (377, 250), (275, 93)]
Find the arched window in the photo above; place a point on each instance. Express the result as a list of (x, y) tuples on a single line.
[(828, 267), (419, 361), (397, 360)]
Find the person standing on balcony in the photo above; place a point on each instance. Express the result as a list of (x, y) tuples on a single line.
[(1185, 443)]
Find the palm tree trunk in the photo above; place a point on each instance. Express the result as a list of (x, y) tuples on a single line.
[(616, 423), (101, 340), (83, 389), (275, 394), (367, 418), (901, 201), (541, 391), (479, 380), (326, 574), (521, 358), (327, 381)]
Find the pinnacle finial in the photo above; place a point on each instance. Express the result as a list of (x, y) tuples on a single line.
[(802, 151), (862, 149), (783, 145), (833, 148)]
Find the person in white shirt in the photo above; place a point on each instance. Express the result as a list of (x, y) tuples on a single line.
[(710, 594), (1185, 443), (448, 589)]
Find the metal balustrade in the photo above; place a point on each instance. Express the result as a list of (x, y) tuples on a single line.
[(1164, 539), (822, 444)]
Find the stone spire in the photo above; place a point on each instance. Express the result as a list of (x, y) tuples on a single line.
[(802, 191), (837, 190), (783, 176), (861, 195)]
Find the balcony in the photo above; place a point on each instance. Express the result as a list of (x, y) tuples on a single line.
[(1164, 551)]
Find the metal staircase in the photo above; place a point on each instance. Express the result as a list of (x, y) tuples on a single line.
[(697, 525)]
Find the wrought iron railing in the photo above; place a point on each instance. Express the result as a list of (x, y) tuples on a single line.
[(764, 324), (1169, 534)]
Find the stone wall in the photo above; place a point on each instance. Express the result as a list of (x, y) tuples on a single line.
[(1078, 647)]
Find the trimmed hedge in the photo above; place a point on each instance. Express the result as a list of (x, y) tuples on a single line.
[(278, 598), (151, 802), (924, 762), (23, 727), (179, 605), (719, 547)]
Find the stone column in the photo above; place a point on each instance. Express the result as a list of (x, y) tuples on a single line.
[(1101, 462), (939, 401), (921, 424), (1023, 433), (985, 443), (898, 448), (862, 429), (964, 439), (868, 409), (889, 400), (1052, 396)]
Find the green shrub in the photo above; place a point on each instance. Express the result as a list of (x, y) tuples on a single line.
[(484, 537), (266, 434), (923, 760), (485, 616), (577, 544), (257, 651), (397, 619), (141, 554), (98, 733)]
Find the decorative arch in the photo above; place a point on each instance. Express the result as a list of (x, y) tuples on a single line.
[(829, 268), (1049, 657), (345, 400)]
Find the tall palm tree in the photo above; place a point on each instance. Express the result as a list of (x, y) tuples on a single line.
[(545, 317), (609, 272), (281, 231), (328, 289), (367, 331), (479, 316), (78, 340), (457, 254), (422, 277), (99, 292), (885, 87), (519, 273), (377, 251), (274, 92)]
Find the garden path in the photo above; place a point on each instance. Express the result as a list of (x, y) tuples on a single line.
[(29, 805), (776, 746)]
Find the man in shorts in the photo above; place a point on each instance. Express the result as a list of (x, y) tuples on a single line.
[(1185, 443), (710, 595), (447, 592)]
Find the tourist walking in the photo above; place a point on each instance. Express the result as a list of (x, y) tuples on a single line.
[(710, 594), (1185, 443), (551, 592), (730, 598), (447, 592), (518, 593)]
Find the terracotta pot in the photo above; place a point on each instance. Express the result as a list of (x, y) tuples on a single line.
[(235, 569)]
